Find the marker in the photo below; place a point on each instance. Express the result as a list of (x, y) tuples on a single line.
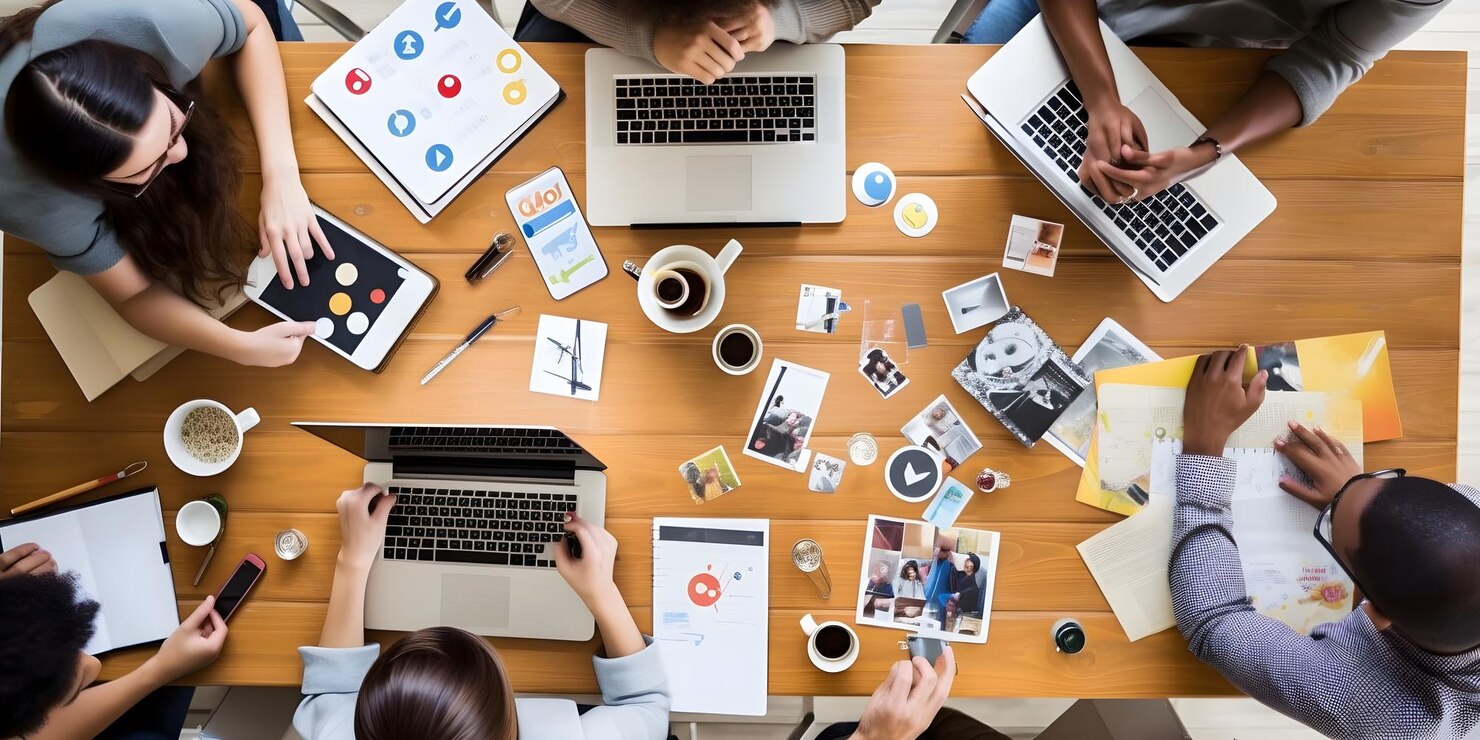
[(467, 342)]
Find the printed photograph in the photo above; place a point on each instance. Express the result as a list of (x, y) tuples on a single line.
[(1033, 245), (977, 303), (819, 308), (882, 373), (937, 582), (827, 474), (709, 475), (1283, 363), (568, 355), (787, 411), (1108, 346), (938, 427), (1020, 375)]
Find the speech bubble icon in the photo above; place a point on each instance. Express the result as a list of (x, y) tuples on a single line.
[(448, 15), (515, 93)]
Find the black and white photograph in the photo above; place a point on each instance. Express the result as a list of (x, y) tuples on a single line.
[(1283, 364), (819, 308), (977, 303), (939, 427), (882, 373), (784, 418), (1020, 375), (568, 354), (1109, 346)]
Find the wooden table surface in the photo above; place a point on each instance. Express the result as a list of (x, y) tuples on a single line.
[(1366, 236)]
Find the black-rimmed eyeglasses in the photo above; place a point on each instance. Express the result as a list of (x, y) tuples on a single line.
[(1328, 515), (187, 109)]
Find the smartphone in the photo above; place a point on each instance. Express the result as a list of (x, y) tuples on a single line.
[(928, 648), (239, 585), (556, 233)]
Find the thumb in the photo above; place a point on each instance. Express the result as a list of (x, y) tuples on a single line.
[(201, 615), (1301, 491), (383, 508), (300, 328), (1257, 387)]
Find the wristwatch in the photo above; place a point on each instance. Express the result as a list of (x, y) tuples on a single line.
[(1217, 148)]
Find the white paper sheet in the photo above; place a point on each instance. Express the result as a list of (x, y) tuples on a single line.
[(1129, 563), (710, 612)]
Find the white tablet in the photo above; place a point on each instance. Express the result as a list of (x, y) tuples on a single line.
[(363, 302)]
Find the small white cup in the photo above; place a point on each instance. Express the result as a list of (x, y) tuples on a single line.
[(824, 663), (174, 445), (682, 255), (755, 359), (198, 523)]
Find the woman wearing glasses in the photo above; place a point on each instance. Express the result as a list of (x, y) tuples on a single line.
[(1406, 662), (120, 176)]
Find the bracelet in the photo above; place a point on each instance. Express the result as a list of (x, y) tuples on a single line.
[(1217, 148)]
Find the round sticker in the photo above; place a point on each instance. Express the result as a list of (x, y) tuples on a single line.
[(449, 86), (401, 123), (323, 328), (340, 303), (357, 322), (515, 92), (409, 45), (357, 81), (439, 157), (508, 61), (873, 184), (915, 214), (377, 296), (912, 473), (448, 15), (346, 274)]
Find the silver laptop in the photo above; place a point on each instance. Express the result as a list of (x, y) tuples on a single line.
[(764, 144), (478, 512), (1026, 98)]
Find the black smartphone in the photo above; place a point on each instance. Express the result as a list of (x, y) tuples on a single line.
[(239, 585)]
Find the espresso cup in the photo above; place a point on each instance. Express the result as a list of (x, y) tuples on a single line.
[(199, 522), (704, 277), (180, 454), (737, 349), (832, 646), (671, 289)]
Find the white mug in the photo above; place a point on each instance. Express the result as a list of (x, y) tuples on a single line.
[(712, 268), (755, 359), (174, 445), (198, 523), (824, 663)]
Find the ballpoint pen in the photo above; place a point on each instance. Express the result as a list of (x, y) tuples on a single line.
[(468, 342)]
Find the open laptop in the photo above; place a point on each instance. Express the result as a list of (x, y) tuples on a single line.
[(762, 145), (1026, 98), (478, 511)]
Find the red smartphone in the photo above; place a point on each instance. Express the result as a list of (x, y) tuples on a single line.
[(239, 585)]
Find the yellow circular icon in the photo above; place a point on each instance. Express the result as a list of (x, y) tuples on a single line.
[(339, 303), (515, 93), (508, 61)]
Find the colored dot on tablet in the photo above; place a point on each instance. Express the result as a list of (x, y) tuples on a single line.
[(346, 274), (357, 322), (323, 328), (377, 296), (339, 304)]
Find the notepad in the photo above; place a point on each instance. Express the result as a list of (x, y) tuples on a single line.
[(116, 547)]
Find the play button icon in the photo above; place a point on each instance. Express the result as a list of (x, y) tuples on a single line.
[(913, 473), (439, 157)]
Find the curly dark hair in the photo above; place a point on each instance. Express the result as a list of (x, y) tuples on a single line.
[(686, 12), (44, 624)]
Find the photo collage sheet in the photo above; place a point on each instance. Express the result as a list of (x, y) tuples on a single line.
[(927, 579)]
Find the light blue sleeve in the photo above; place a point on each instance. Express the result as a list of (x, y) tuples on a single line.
[(331, 685), (634, 689)]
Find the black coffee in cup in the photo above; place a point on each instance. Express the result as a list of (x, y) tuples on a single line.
[(834, 641), (698, 291), (737, 349), (670, 289)]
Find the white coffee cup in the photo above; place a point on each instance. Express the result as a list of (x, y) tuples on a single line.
[(682, 255), (174, 445), (755, 357), (823, 662), (198, 523)]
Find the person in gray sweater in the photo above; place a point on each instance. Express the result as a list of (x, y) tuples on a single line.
[(1328, 45), (441, 683), (703, 39)]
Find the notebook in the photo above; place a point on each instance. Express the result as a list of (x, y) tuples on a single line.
[(710, 612), (431, 97), (116, 546)]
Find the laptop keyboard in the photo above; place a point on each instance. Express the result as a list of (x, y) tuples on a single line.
[(490, 527), (749, 109), (1164, 226), (482, 440)]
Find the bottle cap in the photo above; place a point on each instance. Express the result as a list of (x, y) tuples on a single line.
[(1068, 636)]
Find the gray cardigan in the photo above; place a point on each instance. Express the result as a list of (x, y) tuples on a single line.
[(633, 687)]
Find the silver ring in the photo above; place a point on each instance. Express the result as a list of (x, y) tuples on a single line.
[(1135, 191)]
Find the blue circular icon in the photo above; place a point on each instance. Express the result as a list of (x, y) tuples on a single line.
[(401, 123), (409, 45), (448, 15), (873, 184), (878, 185), (439, 157)]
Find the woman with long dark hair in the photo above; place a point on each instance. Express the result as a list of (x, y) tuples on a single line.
[(101, 111)]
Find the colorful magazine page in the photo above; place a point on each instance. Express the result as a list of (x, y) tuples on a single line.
[(921, 578)]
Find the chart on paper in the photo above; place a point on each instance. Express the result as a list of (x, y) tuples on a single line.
[(710, 611)]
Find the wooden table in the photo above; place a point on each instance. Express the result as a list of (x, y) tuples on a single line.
[(1366, 236)]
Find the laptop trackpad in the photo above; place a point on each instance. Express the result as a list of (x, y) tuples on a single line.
[(1164, 127), (475, 602), (718, 183)]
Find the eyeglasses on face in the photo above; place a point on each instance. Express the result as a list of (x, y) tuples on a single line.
[(1323, 528), (177, 129)]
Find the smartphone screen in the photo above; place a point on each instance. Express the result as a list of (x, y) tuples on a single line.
[(236, 589)]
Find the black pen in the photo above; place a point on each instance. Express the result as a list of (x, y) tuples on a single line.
[(467, 342)]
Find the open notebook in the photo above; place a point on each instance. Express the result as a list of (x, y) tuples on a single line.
[(116, 546)]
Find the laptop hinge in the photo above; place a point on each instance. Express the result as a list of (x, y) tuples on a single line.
[(720, 224), (482, 468)]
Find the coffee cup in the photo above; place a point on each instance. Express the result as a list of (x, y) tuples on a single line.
[(199, 522), (204, 438), (832, 646), (691, 283), (737, 349)]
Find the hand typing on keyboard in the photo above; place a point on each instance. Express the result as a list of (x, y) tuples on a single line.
[(1152, 172), (705, 53), (362, 529), (590, 575)]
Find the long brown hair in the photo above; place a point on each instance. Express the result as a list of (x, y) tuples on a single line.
[(440, 683), (72, 113)]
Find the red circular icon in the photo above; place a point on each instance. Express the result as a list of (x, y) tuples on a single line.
[(357, 81), (449, 86), (377, 296)]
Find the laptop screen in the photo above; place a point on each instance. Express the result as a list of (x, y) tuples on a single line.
[(405, 443)]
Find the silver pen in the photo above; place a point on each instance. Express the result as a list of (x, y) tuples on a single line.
[(468, 342)]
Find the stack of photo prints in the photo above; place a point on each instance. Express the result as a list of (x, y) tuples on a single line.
[(926, 579), (1020, 375)]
